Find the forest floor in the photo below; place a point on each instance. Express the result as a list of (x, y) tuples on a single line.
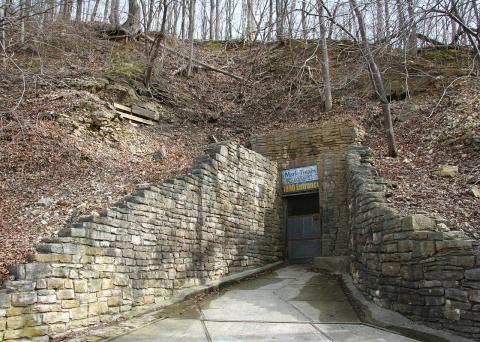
[(64, 154)]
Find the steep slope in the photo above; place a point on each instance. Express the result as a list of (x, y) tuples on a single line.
[(64, 153)]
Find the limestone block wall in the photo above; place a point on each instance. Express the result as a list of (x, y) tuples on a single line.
[(221, 217), (325, 146), (409, 263)]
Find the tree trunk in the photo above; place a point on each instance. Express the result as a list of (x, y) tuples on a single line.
[(78, 14), (155, 49), (151, 10), (133, 23), (250, 20), (51, 10), (401, 23), (191, 31), (184, 17), (95, 10), (175, 20), (327, 88), (377, 81), (23, 13), (280, 25), (331, 25), (291, 18), (303, 19), (270, 20), (217, 20), (412, 38), (380, 27), (3, 33), (228, 19), (105, 10), (212, 20), (114, 13)]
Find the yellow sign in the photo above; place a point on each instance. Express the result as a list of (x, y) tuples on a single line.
[(300, 187)]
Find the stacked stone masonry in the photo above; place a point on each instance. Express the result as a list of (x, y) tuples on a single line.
[(222, 217), (410, 264), (326, 147)]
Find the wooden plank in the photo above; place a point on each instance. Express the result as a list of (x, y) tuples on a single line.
[(121, 107), (137, 119), (145, 113)]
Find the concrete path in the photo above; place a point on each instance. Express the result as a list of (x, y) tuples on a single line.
[(291, 304)]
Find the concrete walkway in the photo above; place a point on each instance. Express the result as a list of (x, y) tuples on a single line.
[(290, 304)]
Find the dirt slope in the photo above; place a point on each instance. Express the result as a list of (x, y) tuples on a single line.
[(63, 153)]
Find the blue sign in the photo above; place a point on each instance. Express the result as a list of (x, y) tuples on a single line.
[(300, 179)]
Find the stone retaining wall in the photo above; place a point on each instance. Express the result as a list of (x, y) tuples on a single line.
[(410, 264), (222, 217)]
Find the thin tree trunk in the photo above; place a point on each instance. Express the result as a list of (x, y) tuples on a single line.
[(78, 14), (380, 27), (105, 10), (212, 20), (228, 19), (217, 20), (205, 24), (191, 31), (412, 38), (184, 10), (327, 88), (51, 10), (331, 25), (155, 49), (114, 13), (377, 81), (95, 10), (270, 20), (387, 21), (401, 23), (22, 21), (151, 10), (303, 19), (291, 18), (3, 33), (175, 20), (280, 8), (250, 20)]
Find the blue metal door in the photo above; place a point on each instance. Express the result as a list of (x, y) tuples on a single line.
[(304, 236)]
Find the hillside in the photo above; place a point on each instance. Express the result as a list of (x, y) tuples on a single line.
[(64, 153)]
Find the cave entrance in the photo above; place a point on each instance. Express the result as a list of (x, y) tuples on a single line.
[(302, 213), (303, 227)]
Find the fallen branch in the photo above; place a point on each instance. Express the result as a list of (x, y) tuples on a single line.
[(200, 63)]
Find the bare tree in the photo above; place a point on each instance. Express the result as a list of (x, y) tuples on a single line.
[(212, 20), (327, 88), (191, 31), (412, 36), (155, 48), (114, 13), (95, 10), (377, 81), (79, 11), (133, 24), (217, 20)]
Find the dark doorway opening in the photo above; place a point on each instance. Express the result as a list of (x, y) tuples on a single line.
[(303, 227)]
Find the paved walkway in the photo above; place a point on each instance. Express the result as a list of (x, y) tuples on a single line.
[(291, 304)]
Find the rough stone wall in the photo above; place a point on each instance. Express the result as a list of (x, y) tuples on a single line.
[(325, 146), (222, 217), (410, 263)]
